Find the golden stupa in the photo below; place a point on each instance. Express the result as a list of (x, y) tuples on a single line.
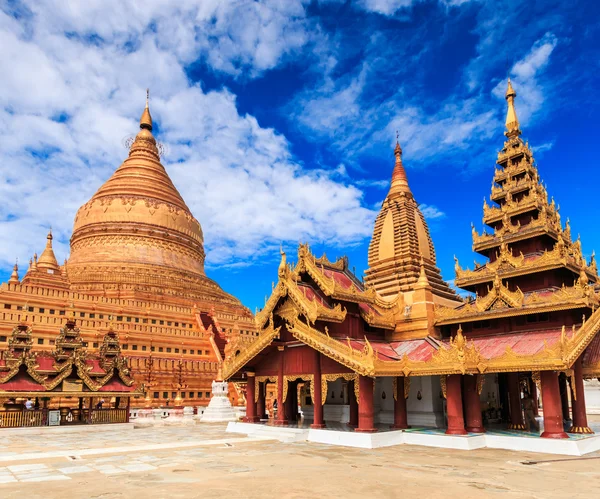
[(136, 263)]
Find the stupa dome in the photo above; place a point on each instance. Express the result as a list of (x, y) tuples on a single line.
[(136, 229)]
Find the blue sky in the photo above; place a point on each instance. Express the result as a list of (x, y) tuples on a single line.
[(280, 117)]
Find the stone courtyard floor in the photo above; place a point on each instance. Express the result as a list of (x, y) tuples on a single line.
[(204, 461)]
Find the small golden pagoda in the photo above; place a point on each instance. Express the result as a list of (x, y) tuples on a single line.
[(135, 274)]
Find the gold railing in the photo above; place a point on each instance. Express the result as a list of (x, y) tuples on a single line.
[(17, 419), (100, 416)]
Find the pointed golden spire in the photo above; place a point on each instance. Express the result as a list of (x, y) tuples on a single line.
[(48, 258), (14, 277), (512, 122), (399, 179), (422, 282), (146, 119)]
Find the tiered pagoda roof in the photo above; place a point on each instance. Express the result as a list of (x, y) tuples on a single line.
[(533, 264), (70, 370)]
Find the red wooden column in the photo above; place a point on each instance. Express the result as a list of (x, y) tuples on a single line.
[(454, 406), (400, 416), (580, 424), (318, 421), (472, 405), (251, 416), (352, 405), (366, 417), (281, 419), (514, 393), (127, 407), (260, 405), (553, 417)]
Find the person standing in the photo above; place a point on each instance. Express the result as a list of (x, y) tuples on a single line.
[(529, 406)]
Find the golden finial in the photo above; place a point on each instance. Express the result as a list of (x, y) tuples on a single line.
[(146, 119), (398, 149), (512, 122), (14, 277), (399, 180), (422, 282)]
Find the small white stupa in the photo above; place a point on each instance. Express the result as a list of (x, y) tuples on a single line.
[(219, 409)]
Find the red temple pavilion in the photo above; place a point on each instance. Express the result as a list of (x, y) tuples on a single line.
[(402, 348)]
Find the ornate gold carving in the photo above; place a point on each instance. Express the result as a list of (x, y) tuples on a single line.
[(406, 387), (395, 387), (561, 298), (537, 379), (233, 364), (443, 384)]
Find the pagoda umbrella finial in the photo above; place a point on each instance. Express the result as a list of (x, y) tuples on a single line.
[(146, 119), (512, 122)]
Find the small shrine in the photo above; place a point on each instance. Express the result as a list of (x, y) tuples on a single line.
[(66, 386)]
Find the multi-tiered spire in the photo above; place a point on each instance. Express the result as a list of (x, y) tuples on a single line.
[(530, 254), (401, 247)]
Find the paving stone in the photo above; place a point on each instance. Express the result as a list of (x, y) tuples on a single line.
[(75, 469), (49, 478), (26, 467)]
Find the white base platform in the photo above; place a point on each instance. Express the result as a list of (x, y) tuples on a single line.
[(568, 447)]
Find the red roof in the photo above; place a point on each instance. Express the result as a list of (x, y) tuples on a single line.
[(491, 346), (416, 350), (522, 343), (45, 362), (310, 293), (342, 279), (95, 366), (591, 355)]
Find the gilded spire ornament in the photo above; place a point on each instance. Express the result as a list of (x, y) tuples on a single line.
[(399, 179), (512, 122), (47, 260), (14, 277), (146, 119)]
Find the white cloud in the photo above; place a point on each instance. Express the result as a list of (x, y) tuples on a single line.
[(542, 148), (431, 212), (386, 7), (73, 83), (525, 76)]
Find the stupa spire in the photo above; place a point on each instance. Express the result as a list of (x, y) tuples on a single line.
[(47, 259), (512, 122), (146, 119), (14, 277), (399, 179)]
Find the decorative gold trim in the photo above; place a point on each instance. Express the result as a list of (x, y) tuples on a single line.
[(443, 384), (581, 430), (406, 387), (395, 387), (233, 364)]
